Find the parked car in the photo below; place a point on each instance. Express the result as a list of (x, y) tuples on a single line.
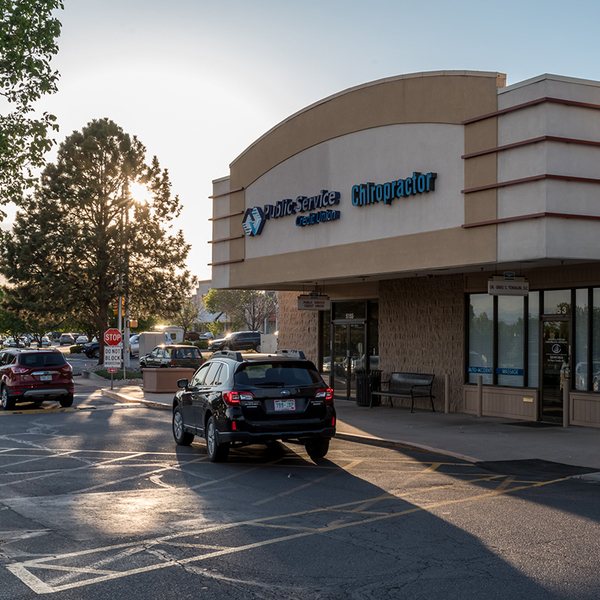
[(36, 375), (238, 340), (66, 338), (172, 355), (81, 339), (91, 350), (134, 345), (254, 399), (12, 342), (46, 343)]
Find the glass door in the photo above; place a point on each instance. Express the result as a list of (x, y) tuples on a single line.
[(555, 362), (350, 354)]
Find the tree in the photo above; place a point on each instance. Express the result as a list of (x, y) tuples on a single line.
[(250, 307), (81, 240), (27, 44), (187, 316)]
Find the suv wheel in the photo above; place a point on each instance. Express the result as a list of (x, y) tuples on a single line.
[(216, 452), (258, 348), (97, 353), (182, 437), (7, 403), (66, 401), (317, 448)]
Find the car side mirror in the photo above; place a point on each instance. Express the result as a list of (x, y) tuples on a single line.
[(182, 383)]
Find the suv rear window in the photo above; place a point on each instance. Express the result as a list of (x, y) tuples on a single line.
[(42, 359), (191, 352), (277, 374)]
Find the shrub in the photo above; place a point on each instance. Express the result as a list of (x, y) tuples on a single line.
[(202, 344), (75, 350)]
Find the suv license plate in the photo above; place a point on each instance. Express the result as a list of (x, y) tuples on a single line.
[(285, 405), (45, 377)]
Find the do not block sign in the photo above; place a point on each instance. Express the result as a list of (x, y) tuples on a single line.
[(112, 357)]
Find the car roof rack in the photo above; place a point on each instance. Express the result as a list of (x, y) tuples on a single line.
[(292, 353), (237, 356)]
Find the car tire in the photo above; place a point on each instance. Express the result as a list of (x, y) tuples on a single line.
[(7, 402), (96, 353), (216, 452), (317, 448), (258, 348), (182, 437), (66, 401)]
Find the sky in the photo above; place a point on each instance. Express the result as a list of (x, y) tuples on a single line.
[(197, 81)]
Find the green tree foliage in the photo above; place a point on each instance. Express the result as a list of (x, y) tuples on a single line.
[(247, 307), (28, 34), (81, 239), (186, 316)]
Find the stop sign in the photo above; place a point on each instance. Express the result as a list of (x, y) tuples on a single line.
[(112, 337)]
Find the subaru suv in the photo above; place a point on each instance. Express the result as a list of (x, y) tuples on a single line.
[(35, 375), (238, 340), (236, 399)]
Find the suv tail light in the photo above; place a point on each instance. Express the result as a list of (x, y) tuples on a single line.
[(325, 394), (66, 368), (19, 370), (233, 398), (172, 362)]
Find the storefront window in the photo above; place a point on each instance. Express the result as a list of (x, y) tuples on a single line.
[(534, 340), (348, 311), (596, 341), (326, 341), (581, 340), (481, 336), (373, 334), (510, 340), (557, 302)]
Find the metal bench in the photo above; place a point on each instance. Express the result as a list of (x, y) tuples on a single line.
[(408, 385)]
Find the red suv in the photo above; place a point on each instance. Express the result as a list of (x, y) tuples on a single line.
[(35, 375)]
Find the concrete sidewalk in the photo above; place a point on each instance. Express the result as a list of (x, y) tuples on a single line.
[(460, 435)]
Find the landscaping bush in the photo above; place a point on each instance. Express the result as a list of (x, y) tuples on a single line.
[(202, 344), (75, 350)]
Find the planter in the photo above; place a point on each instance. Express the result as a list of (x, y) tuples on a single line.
[(162, 381)]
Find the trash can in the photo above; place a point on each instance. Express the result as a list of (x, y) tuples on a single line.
[(367, 382), (362, 388), (374, 386)]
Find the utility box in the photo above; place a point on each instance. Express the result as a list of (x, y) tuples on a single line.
[(174, 333), (150, 339), (268, 343)]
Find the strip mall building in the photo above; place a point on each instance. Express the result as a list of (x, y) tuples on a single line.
[(452, 224)]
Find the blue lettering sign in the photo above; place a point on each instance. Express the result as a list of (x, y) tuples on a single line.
[(370, 193)]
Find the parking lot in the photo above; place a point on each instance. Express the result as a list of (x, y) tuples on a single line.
[(97, 500)]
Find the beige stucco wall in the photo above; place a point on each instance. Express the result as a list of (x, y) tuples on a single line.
[(423, 331), (298, 329)]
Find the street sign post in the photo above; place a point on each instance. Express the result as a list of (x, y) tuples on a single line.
[(112, 337), (112, 352)]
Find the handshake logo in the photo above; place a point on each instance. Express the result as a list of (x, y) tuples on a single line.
[(254, 221)]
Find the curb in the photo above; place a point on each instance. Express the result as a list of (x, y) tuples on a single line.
[(375, 441), (125, 398)]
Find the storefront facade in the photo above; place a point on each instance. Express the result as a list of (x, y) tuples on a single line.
[(397, 202)]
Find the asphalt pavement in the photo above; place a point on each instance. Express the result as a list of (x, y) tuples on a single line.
[(484, 439)]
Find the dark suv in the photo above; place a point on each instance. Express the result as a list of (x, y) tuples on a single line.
[(239, 340), (254, 399), (173, 356), (36, 375)]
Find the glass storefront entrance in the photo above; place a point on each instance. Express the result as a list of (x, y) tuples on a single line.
[(556, 356), (354, 344)]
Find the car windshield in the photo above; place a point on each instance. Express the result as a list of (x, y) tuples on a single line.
[(45, 359), (277, 374)]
